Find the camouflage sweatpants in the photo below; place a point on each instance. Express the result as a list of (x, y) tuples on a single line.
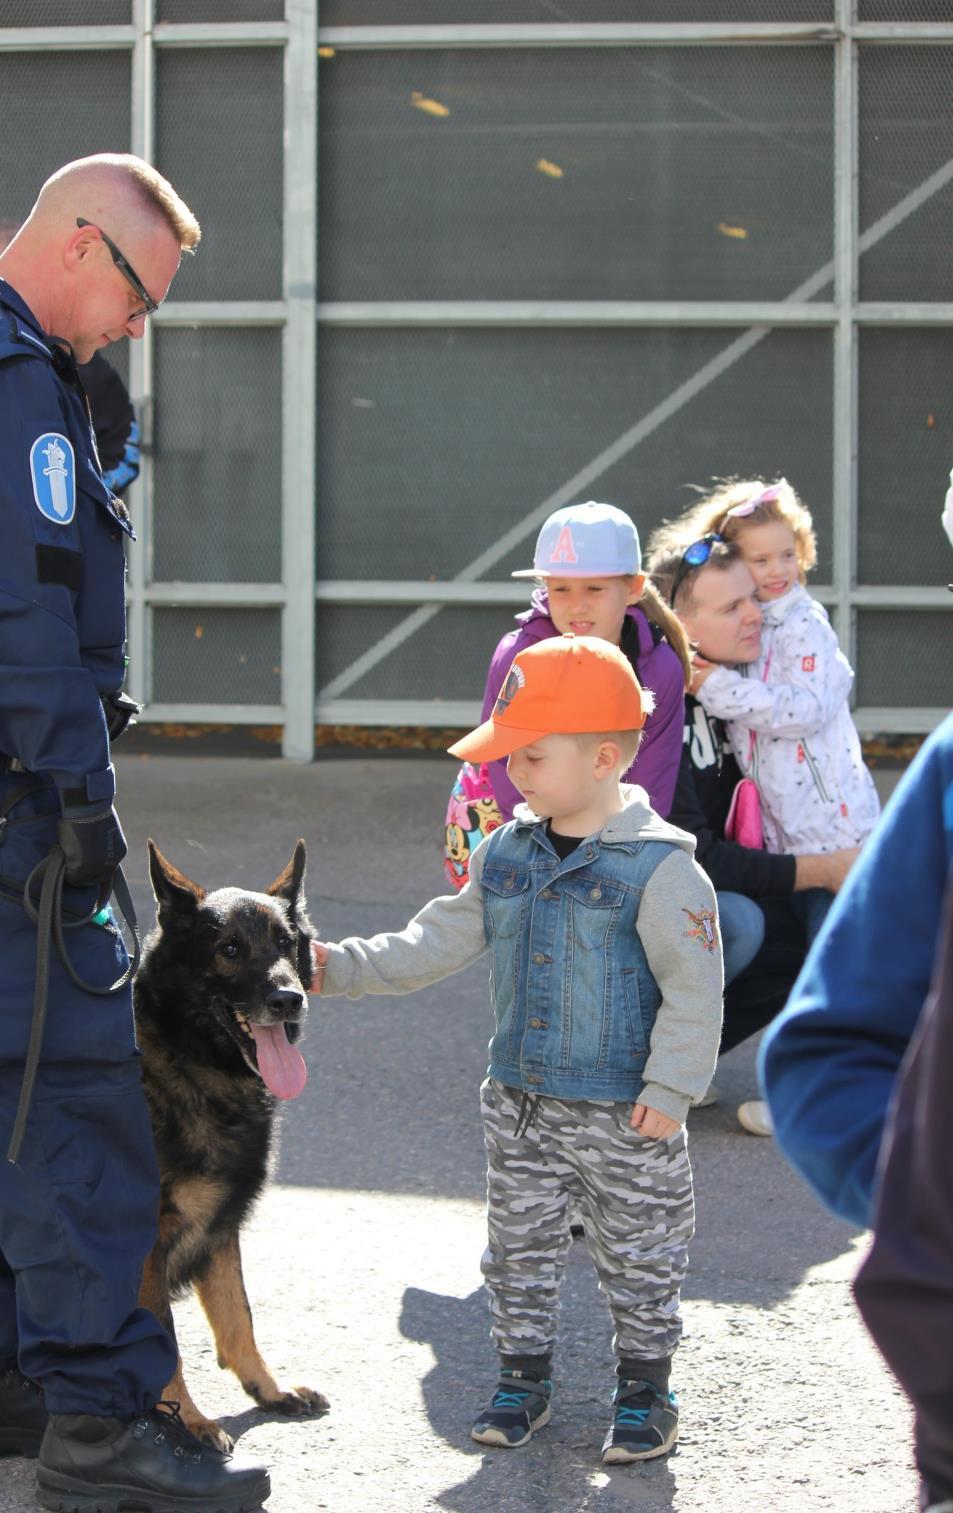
[(635, 1200)]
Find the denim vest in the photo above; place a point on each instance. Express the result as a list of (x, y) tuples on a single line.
[(573, 996)]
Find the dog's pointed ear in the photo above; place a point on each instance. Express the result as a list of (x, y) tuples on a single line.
[(289, 884), (175, 893)]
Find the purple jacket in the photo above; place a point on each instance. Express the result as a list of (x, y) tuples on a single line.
[(659, 668)]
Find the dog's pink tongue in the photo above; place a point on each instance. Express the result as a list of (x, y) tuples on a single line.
[(280, 1063)]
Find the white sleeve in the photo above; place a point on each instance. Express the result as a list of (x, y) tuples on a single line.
[(809, 680)]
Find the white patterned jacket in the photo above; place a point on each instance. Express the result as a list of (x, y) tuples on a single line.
[(790, 729)]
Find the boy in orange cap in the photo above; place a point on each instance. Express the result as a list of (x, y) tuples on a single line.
[(606, 982)]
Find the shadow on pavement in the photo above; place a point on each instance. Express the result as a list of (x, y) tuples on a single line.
[(561, 1466)]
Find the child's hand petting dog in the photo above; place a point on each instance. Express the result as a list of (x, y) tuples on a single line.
[(653, 1125), (319, 960)]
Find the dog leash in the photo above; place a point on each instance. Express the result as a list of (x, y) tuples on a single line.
[(47, 914)]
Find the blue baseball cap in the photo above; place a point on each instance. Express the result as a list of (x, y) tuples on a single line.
[(586, 541)]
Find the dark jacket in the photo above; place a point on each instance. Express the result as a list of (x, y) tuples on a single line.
[(114, 422), (706, 780)]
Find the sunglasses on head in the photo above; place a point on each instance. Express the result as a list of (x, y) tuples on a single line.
[(149, 305), (693, 556)]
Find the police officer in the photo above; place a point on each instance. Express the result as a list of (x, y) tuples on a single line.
[(82, 1367)]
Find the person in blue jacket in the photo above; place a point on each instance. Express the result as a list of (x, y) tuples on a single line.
[(114, 423), (830, 1062), (82, 1367), (904, 1288)]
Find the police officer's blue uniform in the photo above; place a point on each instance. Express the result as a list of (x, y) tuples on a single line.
[(78, 1210)]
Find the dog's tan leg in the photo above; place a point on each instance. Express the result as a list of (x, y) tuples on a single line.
[(222, 1294), (154, 1295)]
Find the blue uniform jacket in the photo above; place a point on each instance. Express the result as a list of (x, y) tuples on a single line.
[(62, 570), (830, 1061)]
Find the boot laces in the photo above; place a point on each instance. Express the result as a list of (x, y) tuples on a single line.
[(184, 1442)]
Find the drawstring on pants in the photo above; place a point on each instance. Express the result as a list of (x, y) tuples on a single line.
[(528, 1116)]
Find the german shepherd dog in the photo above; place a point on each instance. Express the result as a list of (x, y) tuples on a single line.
[(219, 1001)]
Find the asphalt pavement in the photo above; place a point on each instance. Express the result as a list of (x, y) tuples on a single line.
[(362, 1261)]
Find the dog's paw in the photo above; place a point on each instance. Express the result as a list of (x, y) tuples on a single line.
[(209, 1432), (300, 1402)]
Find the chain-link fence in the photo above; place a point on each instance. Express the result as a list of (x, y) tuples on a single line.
[(549, 252)]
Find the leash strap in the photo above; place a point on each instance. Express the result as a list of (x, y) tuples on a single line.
[(50, 926)]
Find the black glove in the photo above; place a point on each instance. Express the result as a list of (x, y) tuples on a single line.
[(120, 711), (93, 842)]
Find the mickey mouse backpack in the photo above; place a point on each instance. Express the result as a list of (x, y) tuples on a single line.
[(472, 812)]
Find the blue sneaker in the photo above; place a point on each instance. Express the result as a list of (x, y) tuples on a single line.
[(644, 1424), (520, 1405)]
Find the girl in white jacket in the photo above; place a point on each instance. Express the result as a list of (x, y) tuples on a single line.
[(787, 714)]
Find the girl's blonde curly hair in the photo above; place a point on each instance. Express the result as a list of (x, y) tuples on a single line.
[(757, 502)]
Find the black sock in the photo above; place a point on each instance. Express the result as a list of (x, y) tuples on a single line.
[(632, 1369), (535, 1368)]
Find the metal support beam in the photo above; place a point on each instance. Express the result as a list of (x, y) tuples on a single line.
[(32, 39), (844, 481), (212, 714), (216, 595), (610, 313), (453, 713), (222, 33), (870, 313), (577, 34), (139, 619), (222, 312), (299, 377)]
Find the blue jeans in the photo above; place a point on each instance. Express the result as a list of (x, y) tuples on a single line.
[(811, 906), (742, 931)]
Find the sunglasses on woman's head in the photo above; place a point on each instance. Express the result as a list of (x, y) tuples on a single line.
[(693, 556)]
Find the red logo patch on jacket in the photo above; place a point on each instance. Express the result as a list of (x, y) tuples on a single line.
[(807, 664)]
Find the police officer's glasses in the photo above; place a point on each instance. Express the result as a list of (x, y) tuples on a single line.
[(693, 556), (149, 305)]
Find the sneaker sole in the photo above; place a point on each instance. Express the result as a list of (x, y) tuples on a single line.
[(497, 1437), (618, 1455), (62, 1495)]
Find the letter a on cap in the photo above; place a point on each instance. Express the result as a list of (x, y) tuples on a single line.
[(564, 550)]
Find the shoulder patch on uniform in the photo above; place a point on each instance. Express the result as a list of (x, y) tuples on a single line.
[(53, 470)]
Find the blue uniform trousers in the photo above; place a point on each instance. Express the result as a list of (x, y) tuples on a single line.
[(78, 1212)]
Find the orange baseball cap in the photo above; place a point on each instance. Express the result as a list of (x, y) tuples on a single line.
[(567, 685)]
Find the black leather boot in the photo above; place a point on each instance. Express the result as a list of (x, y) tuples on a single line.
[(23, 1417), (151, 1463)]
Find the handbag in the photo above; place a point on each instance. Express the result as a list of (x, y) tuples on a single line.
[(472, 812), (744, 824)]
